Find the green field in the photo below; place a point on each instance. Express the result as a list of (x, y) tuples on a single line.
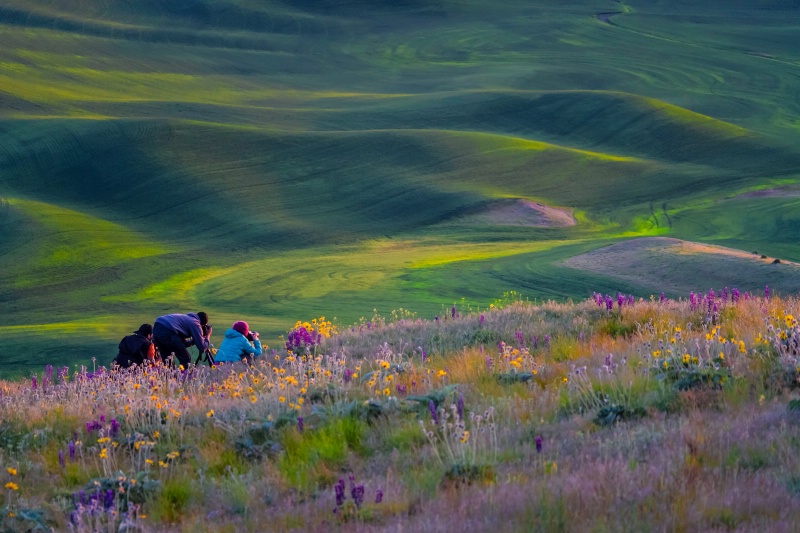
[(277, 161)]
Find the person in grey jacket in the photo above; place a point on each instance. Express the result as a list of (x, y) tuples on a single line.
[(176, 332), (236, 345)]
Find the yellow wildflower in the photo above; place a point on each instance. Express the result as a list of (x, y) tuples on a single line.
[(742, 347), (12, 471), (12, 486), (465, 436), (441, 373), (253, 399), (386, 391), (104, 453), (210, 413), (281, 399)]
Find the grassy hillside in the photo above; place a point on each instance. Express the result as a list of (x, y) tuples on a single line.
[(283, 160)]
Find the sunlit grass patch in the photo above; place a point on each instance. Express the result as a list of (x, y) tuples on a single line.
[(71, 239)]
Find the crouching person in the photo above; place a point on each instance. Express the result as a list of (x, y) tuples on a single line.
[(239, 344), (137, 349), (176, 332)]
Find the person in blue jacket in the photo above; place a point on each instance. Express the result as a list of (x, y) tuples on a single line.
[(239, 344)]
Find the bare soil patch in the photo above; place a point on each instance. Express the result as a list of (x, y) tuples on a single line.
[(781, 192), (518, 212), (668, 264)]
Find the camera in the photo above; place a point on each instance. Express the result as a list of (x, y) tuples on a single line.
[(206, 329), (252, 336)]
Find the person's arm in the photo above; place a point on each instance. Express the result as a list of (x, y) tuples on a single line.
[(200, 341), (256, 348)]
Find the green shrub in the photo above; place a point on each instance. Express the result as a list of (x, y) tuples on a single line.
[(616, 327), (172, 500), (314, 458)]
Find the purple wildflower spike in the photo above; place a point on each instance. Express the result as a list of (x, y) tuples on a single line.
[(357, 492), (538, 444), (340, 497), (379, 496), (434, 413), (108, 499), (460, 407), (300, 424)]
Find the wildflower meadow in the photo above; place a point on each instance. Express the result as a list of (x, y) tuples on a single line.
[(617, 413)]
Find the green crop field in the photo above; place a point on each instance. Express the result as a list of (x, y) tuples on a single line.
[(278, 161)]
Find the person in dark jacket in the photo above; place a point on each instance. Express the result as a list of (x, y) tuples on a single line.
[(137, 349), (176, 332)]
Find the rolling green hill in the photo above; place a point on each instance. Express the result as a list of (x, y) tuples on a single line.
[(275, 161)]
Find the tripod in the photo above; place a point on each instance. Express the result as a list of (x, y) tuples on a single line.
[(207, 355)]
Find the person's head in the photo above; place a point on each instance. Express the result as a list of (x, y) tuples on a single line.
[(145, 330), (241, 327), (203, 316)]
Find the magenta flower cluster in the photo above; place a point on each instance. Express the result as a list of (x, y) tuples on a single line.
[(300, 340)]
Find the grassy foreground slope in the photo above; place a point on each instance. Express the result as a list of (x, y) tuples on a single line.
[(660, 415), (282, 160)]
